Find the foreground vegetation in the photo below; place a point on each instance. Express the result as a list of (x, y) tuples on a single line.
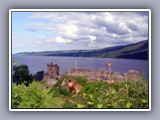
[(126, 94)]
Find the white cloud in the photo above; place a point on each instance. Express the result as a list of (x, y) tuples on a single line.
[(92, 38), (69, 30), (79, 29), (62, 40)]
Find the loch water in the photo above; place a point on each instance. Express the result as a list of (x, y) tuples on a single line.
[(39, 63)]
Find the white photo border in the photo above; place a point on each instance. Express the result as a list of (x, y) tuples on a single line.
[(76, 10)]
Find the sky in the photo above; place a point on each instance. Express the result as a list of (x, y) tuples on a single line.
[(53, 31)]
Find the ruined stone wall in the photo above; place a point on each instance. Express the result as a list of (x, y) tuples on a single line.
[(100, 74), (96, 75)]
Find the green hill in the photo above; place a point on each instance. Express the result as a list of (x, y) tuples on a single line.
[(133, 51)]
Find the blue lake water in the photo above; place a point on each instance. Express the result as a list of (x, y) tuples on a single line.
[(38, 63)]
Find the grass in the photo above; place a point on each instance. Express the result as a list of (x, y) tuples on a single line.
[(55, 102)]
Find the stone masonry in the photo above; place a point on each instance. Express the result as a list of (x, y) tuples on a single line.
[(52, 74)]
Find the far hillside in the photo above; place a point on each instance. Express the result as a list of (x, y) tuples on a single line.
[(133, 51)]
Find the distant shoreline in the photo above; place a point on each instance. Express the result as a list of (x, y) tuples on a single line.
[(138, 51)]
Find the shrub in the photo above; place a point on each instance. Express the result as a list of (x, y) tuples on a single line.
[(126, 94), (34, 96)]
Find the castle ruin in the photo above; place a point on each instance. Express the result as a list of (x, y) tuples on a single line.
[(52, 74), (102, 74), (91, 74)]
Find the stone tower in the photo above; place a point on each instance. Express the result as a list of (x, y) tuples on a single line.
[(52, 72)]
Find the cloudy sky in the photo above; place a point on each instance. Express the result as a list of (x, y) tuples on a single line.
[(52, 31)]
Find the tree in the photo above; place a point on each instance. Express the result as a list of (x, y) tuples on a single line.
[(38, 76), (21, 75)]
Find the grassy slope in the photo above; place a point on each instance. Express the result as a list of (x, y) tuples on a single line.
[(134, 51)]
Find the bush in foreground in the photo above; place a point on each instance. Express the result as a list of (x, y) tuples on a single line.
[(34, 96), (126, 94)]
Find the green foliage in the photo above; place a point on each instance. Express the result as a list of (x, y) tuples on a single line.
[(21, 75), (69, 105), (38, 76), (34, 96), (126, 94), (59, 91)]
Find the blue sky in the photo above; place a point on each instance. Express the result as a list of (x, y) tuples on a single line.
[(52, 31)]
